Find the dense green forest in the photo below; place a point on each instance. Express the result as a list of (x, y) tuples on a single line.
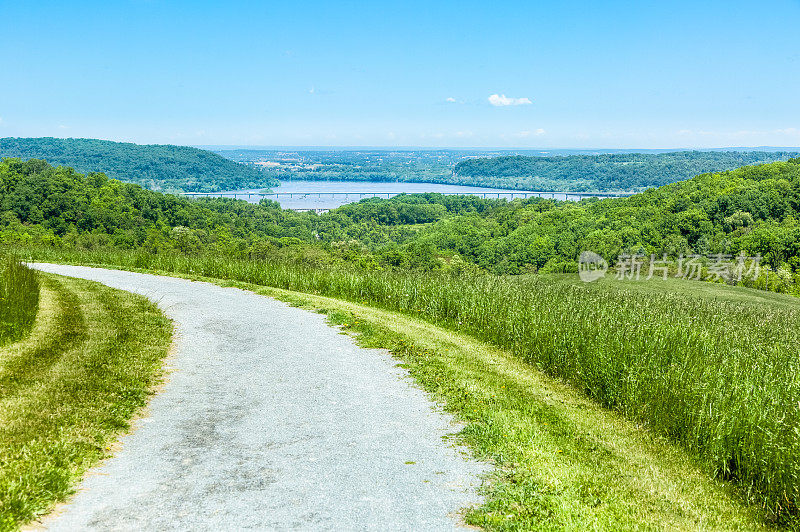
[(605, 172), (753, 210), (154, 166)]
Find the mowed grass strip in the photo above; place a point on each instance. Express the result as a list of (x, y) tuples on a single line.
[(70, 387), (562, 462)]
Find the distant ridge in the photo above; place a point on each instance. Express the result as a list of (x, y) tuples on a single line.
[(155, 166), (478, 149), (634, 171)]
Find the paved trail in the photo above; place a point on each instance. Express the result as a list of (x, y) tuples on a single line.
[(271, 419)]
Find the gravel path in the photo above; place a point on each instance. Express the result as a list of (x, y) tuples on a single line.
[(271, 419)]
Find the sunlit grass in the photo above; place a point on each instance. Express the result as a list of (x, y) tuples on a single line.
[(19, 299), (716, 371), (69, 387), (561, 462)]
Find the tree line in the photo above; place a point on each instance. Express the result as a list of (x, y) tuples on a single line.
[(605, 172), (157, 167), (753, 210)]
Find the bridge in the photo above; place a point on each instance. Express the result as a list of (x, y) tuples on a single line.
[(511, 194)]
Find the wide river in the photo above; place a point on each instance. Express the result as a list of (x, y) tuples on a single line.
[(331, 194)]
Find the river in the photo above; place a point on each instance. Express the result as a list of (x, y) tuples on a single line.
[(323, 195)]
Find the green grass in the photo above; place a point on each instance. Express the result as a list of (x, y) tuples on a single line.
[(710, 367), (705, 290), (561, 462), (70, 387), (19, 299)]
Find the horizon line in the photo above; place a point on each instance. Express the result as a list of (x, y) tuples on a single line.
[(324, 147), (472, 148)]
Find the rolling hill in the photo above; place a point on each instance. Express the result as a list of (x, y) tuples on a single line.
[(154, 166), (604, 172)]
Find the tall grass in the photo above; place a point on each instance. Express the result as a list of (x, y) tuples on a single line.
[(19, 299), (720, 376)]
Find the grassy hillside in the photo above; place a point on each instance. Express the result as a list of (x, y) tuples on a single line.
[(694, 362), (69, 387), (157, 167), (19, 300), (561, 461), (606, 172)]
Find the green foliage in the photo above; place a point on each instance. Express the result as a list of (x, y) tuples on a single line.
[(561, 461), (700, 369), (703, 371), (19, 300), (152, 166), (606, 172), (61, 207), (71, 388), (753, 210), (414, 209)]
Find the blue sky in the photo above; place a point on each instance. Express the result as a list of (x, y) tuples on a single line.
[(459, 74)]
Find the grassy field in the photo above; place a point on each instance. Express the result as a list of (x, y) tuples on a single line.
[(69, 387), (710, 367), (561, 461), (19, 299)]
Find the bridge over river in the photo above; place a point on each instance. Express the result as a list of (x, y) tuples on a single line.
[(321, 201)]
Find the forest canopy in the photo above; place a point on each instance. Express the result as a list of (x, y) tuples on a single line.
[(754, 210), (154, 166), (630, 172)]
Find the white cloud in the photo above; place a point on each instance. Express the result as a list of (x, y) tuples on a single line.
[(501, 100), (451, 100), (319, 92)]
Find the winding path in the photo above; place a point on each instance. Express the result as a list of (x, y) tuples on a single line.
[(271, 419)]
